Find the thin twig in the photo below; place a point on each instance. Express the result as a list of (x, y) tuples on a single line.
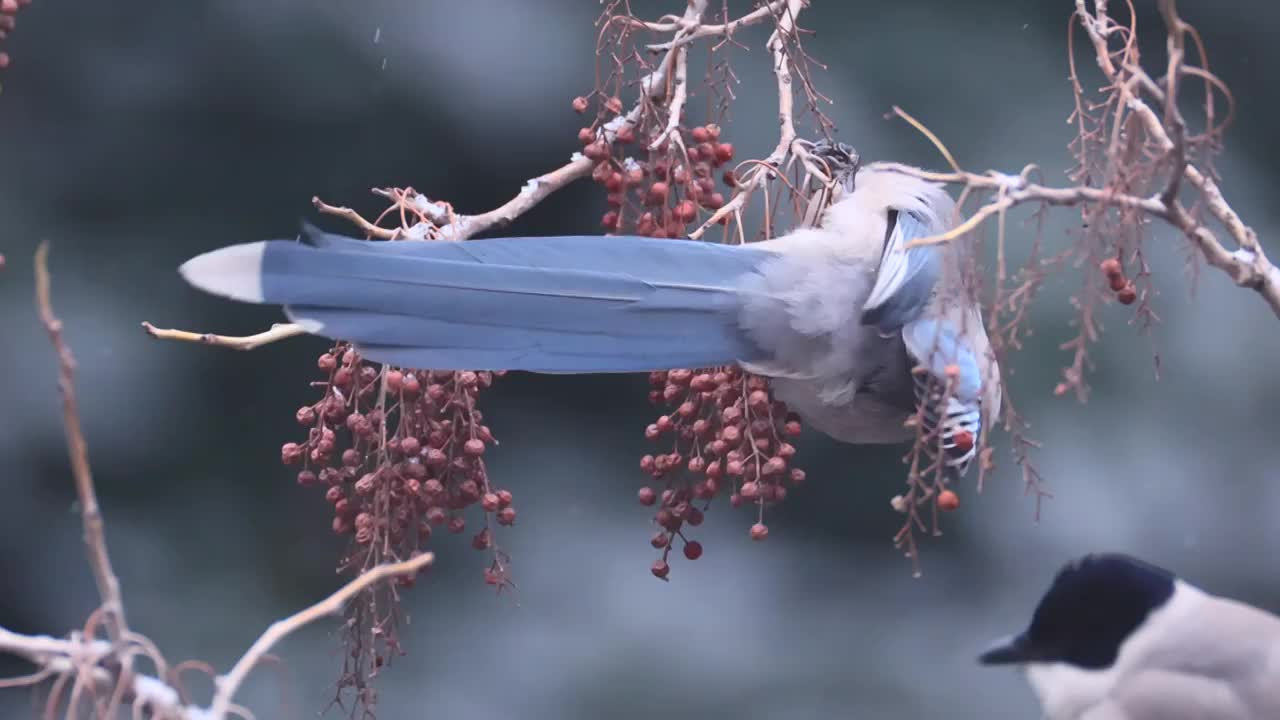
[(702, 31), (760, 172), (356, 219), (278, 331), (91, 517), (1248, 266), (277, 631)]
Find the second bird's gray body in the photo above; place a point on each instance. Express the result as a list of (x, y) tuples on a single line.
[(837, 314)]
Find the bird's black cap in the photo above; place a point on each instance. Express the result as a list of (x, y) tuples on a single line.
[(1093, 606)]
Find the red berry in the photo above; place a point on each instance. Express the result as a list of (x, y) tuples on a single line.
[(1111, 267), (410, 446), (1127, 296), (647, 495), (700, 134), (579, 104), (759, 531), (596, 150), (948, 501), (686, 211), (774, 466), (693, 549), (473, 447), (657, 193), (457, 524), (506, 516), (645, 224), (586, 135), (395, 380), (661, 569), (490, 502), (724, 152), (411, 385)]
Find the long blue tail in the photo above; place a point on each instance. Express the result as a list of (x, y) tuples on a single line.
[(567, 304)]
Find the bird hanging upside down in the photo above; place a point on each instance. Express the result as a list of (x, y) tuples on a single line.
[(837, 315)]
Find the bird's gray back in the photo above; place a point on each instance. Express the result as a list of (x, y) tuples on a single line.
[(803, 307)]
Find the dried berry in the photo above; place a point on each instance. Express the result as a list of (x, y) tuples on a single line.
[(948, 501)]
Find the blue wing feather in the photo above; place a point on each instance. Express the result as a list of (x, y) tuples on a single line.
[(935, 344), (906, 277)]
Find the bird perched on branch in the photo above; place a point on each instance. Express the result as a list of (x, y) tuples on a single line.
[(837, 315), (1115, 638)]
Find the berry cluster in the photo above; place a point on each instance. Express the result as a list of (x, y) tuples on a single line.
[(399, 453), (728, 436), (664, 195), (1119, 283), (8, 11)]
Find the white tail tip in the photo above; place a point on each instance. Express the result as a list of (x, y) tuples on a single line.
[(233, 272)]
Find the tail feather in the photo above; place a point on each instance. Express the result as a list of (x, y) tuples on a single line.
[(550, 304)]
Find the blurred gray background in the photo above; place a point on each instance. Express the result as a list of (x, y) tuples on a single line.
[(135, 134)]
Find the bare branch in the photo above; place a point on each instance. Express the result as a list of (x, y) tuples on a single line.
[(755, 178), (679, 93), (537, 189), (230, 683), (86, 660), (534, 192), (278, 331), (90, 516), (355, 218), (726, 29), (1248, 266)]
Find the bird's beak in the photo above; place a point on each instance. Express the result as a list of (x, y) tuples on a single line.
[(1010, 650)]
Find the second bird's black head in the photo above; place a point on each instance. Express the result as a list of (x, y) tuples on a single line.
[(1094, 604)]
